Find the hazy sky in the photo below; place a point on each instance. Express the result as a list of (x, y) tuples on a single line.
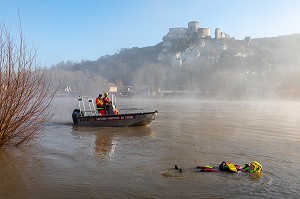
[(78, 30)]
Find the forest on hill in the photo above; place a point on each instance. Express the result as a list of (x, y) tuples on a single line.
[(265, 68)]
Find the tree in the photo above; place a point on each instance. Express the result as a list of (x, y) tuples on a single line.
[(150, 78), (25, 94)]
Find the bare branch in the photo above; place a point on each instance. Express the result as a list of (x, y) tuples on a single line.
[(25, 100)]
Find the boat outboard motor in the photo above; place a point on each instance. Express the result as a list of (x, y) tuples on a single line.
[(75, 113)]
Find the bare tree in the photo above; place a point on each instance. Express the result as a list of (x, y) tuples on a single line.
[(25, 97), (150, 78)]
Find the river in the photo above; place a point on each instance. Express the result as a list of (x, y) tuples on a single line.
[(68, 161)]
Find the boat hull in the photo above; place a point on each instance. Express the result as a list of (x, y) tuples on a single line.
[(121, 120)]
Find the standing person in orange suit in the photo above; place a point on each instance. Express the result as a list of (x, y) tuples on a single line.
[(100, 105), (106, 101)]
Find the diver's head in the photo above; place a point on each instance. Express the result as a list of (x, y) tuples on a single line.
[(255, 167)]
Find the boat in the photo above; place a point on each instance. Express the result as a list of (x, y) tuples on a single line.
[(89, 116)]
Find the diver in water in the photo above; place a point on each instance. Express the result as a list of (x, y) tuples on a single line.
[(252, 167)]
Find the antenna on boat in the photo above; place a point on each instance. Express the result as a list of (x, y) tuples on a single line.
[(81, 103), (92, 107), (113, 100), (89, 102)]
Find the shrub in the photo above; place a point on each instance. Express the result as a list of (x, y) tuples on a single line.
[(25, 97)]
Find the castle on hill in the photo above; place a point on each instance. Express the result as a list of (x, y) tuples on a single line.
[(187, 44), (193, 31)]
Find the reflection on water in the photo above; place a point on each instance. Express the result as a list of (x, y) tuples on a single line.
[(105, 148), (106, 139), (255, 176)]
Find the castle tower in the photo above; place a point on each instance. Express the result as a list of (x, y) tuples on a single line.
[(193, 26), (217, 33), (204, 32), (248, 40)]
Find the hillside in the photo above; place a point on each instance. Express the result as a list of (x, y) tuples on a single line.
[(261, 68)]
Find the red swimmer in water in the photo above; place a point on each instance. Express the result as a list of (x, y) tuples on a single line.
[(252, 167)]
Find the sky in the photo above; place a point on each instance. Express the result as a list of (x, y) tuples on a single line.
[(76, 30)]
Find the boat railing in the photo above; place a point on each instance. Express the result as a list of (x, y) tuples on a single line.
[(88, 110), (131, 110), (87, 105)]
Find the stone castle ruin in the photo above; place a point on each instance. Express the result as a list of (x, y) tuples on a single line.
[(191, 34), (220, 35), (182, 44)]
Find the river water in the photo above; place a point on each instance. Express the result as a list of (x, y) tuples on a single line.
[(68, 161)]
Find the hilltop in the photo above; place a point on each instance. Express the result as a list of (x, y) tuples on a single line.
[(190, 60)]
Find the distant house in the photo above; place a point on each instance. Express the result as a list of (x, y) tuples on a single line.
[(113, 88)]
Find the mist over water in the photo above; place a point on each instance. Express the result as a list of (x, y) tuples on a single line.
[(86, 162)]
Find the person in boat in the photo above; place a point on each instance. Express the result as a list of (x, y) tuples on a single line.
[(100, 105), (109, 107), (106, 102), (252, 167)]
